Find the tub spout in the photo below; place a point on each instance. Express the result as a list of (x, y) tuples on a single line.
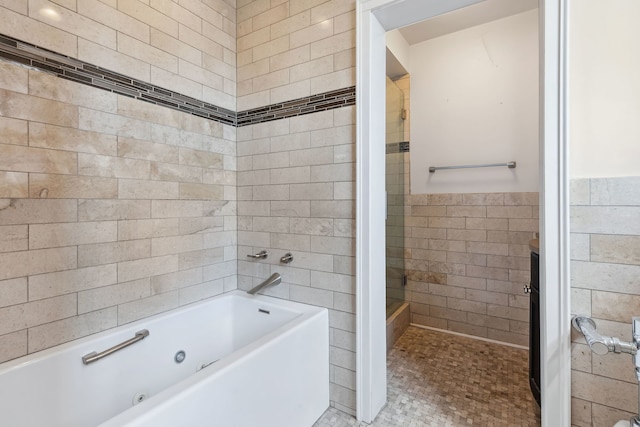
[(274, 279)]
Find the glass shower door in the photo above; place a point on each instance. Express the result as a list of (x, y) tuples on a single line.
[(394, 186)]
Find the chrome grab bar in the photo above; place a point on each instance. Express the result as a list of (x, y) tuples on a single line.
[(94, 357)]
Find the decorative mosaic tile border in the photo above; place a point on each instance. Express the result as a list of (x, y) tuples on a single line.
[(298, 107), (398, 147), (65, 67), (91, 75)]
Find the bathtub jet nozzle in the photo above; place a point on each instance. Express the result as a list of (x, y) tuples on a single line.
[(274, 279)]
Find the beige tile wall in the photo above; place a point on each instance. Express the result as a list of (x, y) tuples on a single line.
[(467, 260), (296, 176), (188, 46), (292, 49), (605, 284), (394, 123), (111, 210), (404, 83), (296, 194), (114, 210), (394, 228)]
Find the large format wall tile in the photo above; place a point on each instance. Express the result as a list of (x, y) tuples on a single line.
[(145, 40), (467, 260), (604, 278), (130, 208), (294, 49), (288, 203), (91, 215)]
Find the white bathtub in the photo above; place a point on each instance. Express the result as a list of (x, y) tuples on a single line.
[(271, 368)]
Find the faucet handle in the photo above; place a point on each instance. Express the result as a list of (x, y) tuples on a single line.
[(261, 254), (287, 258), (600, 344), (596, 342)]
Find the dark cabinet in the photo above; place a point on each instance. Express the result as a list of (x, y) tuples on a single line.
[(534, 328)]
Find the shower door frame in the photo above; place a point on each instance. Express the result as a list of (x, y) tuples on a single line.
[(374, 18)]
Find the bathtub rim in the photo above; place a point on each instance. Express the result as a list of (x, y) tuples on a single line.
[(81, 345)]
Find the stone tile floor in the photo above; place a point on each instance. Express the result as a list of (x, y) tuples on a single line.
[(439, 379)]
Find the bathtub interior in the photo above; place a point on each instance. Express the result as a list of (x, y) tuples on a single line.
[(280, 381), (250, 322), (54, 388)]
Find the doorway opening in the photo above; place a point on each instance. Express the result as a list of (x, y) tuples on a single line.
[(374, 20)]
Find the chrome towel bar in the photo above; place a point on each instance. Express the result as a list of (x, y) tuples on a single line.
[(94, 357), (510, 165)]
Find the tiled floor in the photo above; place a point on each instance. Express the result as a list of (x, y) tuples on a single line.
[(438, 379)]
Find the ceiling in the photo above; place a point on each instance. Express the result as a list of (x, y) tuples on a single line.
[(466, 17)]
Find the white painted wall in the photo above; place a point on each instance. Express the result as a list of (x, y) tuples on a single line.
[(604, 59), (474, 99)]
